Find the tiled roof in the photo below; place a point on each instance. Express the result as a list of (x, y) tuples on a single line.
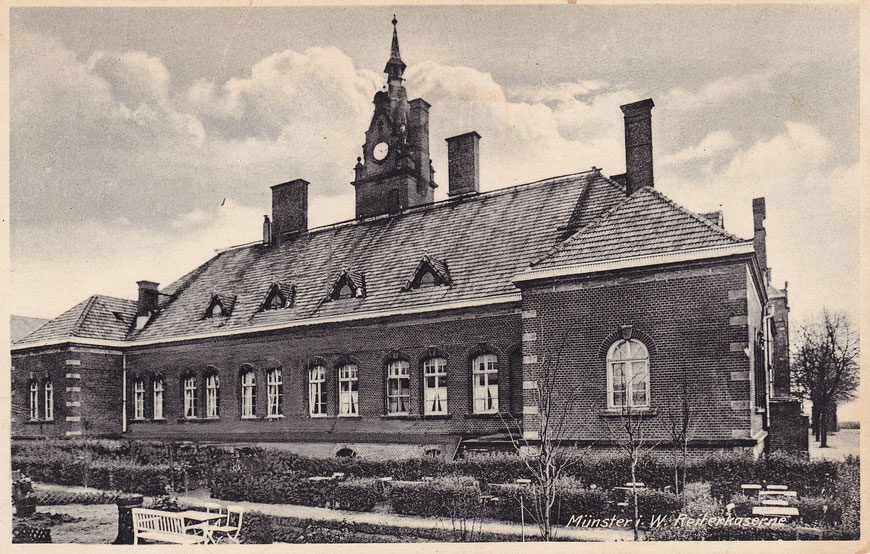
[(98, 317), (484, 240), (645, 223), (21, 326)]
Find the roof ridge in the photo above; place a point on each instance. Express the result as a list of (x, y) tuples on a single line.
[(575, 236), (431, 205), (697, 217), (84, 315)]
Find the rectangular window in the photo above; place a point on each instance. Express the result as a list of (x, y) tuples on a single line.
[(139, 399), (484, 376), (158, 399), (248, 395), (212, 396), (317, 391), (190, 397), (275, 393), (34, 400), (435, 386), (348, 390), (49, 401), (398, 388)]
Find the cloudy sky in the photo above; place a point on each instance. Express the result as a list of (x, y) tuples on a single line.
[(143, 139)]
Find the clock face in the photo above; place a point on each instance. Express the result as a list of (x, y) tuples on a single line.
[(380, 151)]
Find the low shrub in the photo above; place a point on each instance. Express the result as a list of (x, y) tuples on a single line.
[(359, 496), (517, 503), (818, 511), (457, 497), (54, 497)]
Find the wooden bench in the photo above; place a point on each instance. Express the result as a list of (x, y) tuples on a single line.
[(762, 494), (157, 525), (775, 511)]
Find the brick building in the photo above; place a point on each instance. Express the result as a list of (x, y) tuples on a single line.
[(421, 327)]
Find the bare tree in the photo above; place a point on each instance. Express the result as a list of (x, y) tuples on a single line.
[(680, 427), (825, 365), (547, 452), (630, 436)]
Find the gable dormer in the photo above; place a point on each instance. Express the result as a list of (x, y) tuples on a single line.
[(280, 296), (348, 284), (220, 305), (430, 272)]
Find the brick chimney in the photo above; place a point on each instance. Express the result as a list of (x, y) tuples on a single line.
[(418, 136), (759, 239), (148, 302), (289, 210), (463, 164), (638, 145)]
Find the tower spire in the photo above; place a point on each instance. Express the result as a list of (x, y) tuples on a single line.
[(395, 66)]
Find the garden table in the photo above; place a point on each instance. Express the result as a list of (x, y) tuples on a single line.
[(202, 519)]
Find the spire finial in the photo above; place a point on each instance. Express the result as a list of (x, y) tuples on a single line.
[(395, 66)]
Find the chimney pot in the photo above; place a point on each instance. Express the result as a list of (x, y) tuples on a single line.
[(267, 231), (638, 145), (289, 210), (463, 164)]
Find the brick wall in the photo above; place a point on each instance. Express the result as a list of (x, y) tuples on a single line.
[(457, 336), (87, 392), (696, 319)]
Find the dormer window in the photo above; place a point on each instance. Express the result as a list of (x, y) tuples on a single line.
[(430, 272), (280, 296), (221, 305), (349, 284)]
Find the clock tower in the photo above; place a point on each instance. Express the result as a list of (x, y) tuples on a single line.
[(395, 171)]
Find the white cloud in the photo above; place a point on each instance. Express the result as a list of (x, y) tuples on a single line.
[(711, 145), (810, 207), (559, 93), (682, 100)]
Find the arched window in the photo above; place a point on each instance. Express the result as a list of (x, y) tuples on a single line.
[(249, 393), (189, 390), (34, 400), (212, 395), (274, 392), (158, 398), (49, 400), (348, 390), (139, 399), (435, 386), (484, 376), (217, 311), (628, 375), (317, 391), (275, 302), (427, 279), (398, 387)]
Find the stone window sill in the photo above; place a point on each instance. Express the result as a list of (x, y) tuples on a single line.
[(198, 419), (437, 416), (399, 416), (39, 421), (493, 415), (618, 412)]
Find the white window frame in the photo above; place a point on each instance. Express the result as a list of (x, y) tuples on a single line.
[(48, 390), (157, 387), (212, 396), (274, 393), (397, 372), (139, 399), (317, 405), (348, 390), (34, 400), (633, 355), (484, 392), (249, 394), (189, 387), (435, 396)]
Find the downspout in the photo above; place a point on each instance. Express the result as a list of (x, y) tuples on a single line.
[(124, 392)]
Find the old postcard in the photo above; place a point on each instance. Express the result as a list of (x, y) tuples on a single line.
[(435, 274)]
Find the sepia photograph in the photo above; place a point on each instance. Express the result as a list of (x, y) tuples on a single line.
[(434, 274)]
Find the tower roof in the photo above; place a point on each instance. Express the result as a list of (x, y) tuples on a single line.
[(395, 66)]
